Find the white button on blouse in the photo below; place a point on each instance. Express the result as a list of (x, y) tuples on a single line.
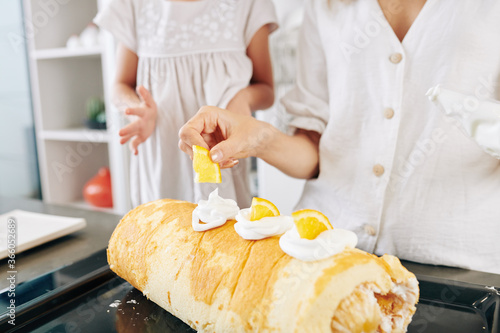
[(388, 113), (378, 170), (396, 58), (430, 192), (370, 230)]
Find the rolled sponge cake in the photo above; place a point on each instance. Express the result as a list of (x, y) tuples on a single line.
[(215, 281)]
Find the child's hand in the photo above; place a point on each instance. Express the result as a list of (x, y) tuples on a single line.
[(144, 124)]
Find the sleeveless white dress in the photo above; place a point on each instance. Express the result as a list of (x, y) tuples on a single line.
[(191, 54)]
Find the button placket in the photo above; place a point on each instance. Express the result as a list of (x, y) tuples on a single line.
[(398, 59), (384, 162), (388, 112)]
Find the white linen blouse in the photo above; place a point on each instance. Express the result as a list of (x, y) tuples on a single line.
[(393, 168)]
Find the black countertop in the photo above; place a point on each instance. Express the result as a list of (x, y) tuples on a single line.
[(63, 251)]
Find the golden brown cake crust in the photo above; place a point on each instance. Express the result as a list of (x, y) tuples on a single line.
[(218, 282)]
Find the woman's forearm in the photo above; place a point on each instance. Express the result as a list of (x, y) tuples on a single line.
[(295, 155)]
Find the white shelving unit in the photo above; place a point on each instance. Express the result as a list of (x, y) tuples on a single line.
[(63, 52), (62, 80), (76, 134)]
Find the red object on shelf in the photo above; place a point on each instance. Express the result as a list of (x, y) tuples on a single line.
[(97, 191)]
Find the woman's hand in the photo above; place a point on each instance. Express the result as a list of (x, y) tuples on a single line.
[(143, 121), (228, 135)]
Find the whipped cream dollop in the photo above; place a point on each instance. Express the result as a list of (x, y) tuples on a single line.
[(213, 212), (478, 119), (263, 228), (327, 244)]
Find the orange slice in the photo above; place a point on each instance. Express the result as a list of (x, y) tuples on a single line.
[(310, 223), (262, 208), (206, 170)]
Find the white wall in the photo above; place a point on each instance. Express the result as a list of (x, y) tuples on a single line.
[(18, 167), (273, 185)]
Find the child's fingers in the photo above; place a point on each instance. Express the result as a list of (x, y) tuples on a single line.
[(132, 149), (134, 143), (145, 96), (130, 129), (124, 139), (135, 112)]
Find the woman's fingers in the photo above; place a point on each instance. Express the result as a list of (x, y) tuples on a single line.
[(203, 123), (224, 133), (224, 150), (210, 140), (229, 163), (185, 148), (189, 150)]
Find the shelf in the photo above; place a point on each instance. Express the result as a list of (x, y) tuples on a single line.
[(64, 52), (76, 134)]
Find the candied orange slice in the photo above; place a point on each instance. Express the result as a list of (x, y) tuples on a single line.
[(310, 223), (205, 170), (262, 208)]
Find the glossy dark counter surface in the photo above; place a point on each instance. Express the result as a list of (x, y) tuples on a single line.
[(63, 251), (455, 274)]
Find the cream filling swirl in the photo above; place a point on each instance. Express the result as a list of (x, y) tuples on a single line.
[(213, 212), (327, 244), (263, 228)]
